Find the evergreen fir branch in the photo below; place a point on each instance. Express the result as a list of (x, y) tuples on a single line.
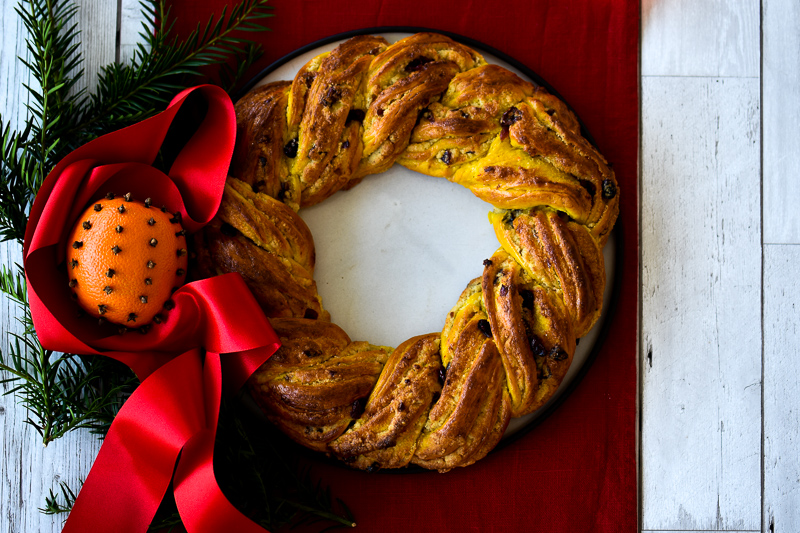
[(231, 77), (12, 284), (165, 65), (259, 470), (55, 65), (167, 523), (15, 195), (61, 119), (61, 392), (52, 503), (66, 391)]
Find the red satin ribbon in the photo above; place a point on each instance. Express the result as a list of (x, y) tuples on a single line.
[(216, 323), (174, 411)]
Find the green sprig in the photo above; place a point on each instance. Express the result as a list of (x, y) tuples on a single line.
[(61, 392), (53, 504), (55, 66), (231, 77), (164, 65), (16, 193), (277, 489), (62, 119)]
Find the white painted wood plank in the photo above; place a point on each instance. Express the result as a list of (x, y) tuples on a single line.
[(781, 376), (700, 38), (27, 469), (12, 73), (97, 21), (781, 89), (131, 20), (701, 301)]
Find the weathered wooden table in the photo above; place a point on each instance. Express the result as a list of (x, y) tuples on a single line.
[(720, 244)]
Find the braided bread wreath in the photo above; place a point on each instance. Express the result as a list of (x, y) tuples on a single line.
[(435, 106)]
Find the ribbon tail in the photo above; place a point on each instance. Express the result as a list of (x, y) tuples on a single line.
[(202, 505), (133, 470)]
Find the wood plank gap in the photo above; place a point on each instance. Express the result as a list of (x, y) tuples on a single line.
[(639, 310), (133, 22), (118, 41), (97, 21), (761, 177)]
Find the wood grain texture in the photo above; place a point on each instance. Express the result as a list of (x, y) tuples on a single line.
[(12, 73), (97, 20), (781, 89), (700, 38), (701, 301), (781, 376), (133, 22)]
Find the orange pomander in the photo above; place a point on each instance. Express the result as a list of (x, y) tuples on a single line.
[(125, 258)]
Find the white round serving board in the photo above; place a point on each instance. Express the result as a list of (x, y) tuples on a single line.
[(395, 252)]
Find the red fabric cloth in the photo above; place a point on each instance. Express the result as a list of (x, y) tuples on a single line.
[(576, 472)]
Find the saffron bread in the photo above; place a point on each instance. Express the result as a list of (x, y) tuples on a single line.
[(444, 399)]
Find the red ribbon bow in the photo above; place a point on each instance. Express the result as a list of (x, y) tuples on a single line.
[(175, 409)]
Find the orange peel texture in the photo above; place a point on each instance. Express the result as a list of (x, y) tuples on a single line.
[(124, 260)]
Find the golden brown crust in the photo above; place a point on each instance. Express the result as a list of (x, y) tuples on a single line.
[(533, 332), (549, 130), (515, 146), (324, 158), (269, 245), (559, 255), (502, 284), (386, 435), (536, 184), (314, 384), (473, 411), (411, 53), (435, 106), (271, 225), (260, 137), (409, 76)]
